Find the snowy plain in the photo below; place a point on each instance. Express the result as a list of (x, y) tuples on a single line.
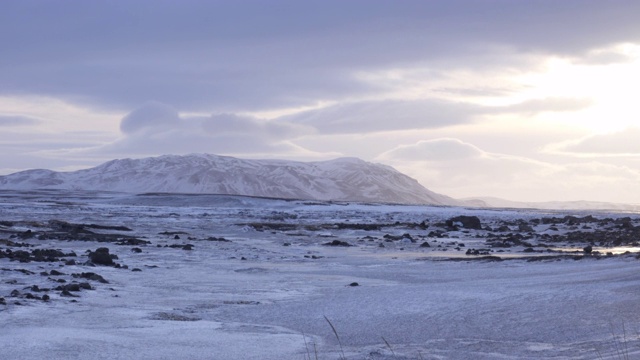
[(258, 282)]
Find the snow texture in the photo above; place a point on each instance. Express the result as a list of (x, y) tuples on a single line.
[(344, 179), (264, 292)]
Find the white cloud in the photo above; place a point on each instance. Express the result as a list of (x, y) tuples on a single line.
[(156, 129), (548, 104), (462, 94), (228, 124), (384, 115), (621, 143), (445, 149), (150, 115), (17, 120)]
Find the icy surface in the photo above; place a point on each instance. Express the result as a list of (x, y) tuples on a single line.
[(258, 283)]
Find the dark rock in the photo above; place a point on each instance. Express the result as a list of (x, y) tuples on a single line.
[(136, 269), (132, 242), (70, 262), (107, 227), (587, 249), (220, 239), (136, 250), (101, 257), (408, 236), (354, 284), (187, 247), (45, 297), (26, 235), (467, 222), (71, 287), (437, 234), (66, 293), (91, 276), (85, 286), (337, 243), (177, 237), (21, 255), (478, 252), (425, 244), (25, 271), (55, 273), (525, 228), (48, 253)]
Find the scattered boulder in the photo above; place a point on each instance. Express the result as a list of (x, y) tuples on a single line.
[(478, 252), (467, 222), (220, 239), (337, 243), (90, 276), (101, 257)]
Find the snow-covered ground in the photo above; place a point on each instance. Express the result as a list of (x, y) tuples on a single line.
[(259, 283)]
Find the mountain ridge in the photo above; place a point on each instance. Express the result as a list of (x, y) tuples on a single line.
[(342, 179)]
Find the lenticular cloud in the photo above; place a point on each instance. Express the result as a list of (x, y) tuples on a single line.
[(149, 115)]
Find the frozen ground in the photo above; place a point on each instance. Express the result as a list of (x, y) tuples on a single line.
[(257, 281)]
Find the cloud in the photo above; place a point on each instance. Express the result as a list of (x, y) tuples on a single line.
[(617, 54), (156, 128), (445, 149), (150, 115), (384, 115), (461, 169), (230, 56), (622, 143), (549, 104), (228, 124), (18, 120), (392, 114)]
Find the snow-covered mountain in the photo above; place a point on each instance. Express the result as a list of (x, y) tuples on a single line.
[(344, 179), (493, 202)]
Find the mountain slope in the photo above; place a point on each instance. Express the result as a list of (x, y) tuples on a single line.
[(492, 202), (345, 179)]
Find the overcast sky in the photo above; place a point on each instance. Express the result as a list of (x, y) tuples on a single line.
[(522, 100)]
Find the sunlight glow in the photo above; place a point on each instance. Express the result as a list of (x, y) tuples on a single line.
[(610, 86)]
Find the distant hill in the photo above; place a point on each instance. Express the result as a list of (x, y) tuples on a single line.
[(344, 179), (492, 202)]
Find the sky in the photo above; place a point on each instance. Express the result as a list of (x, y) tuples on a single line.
[(522, 100)]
